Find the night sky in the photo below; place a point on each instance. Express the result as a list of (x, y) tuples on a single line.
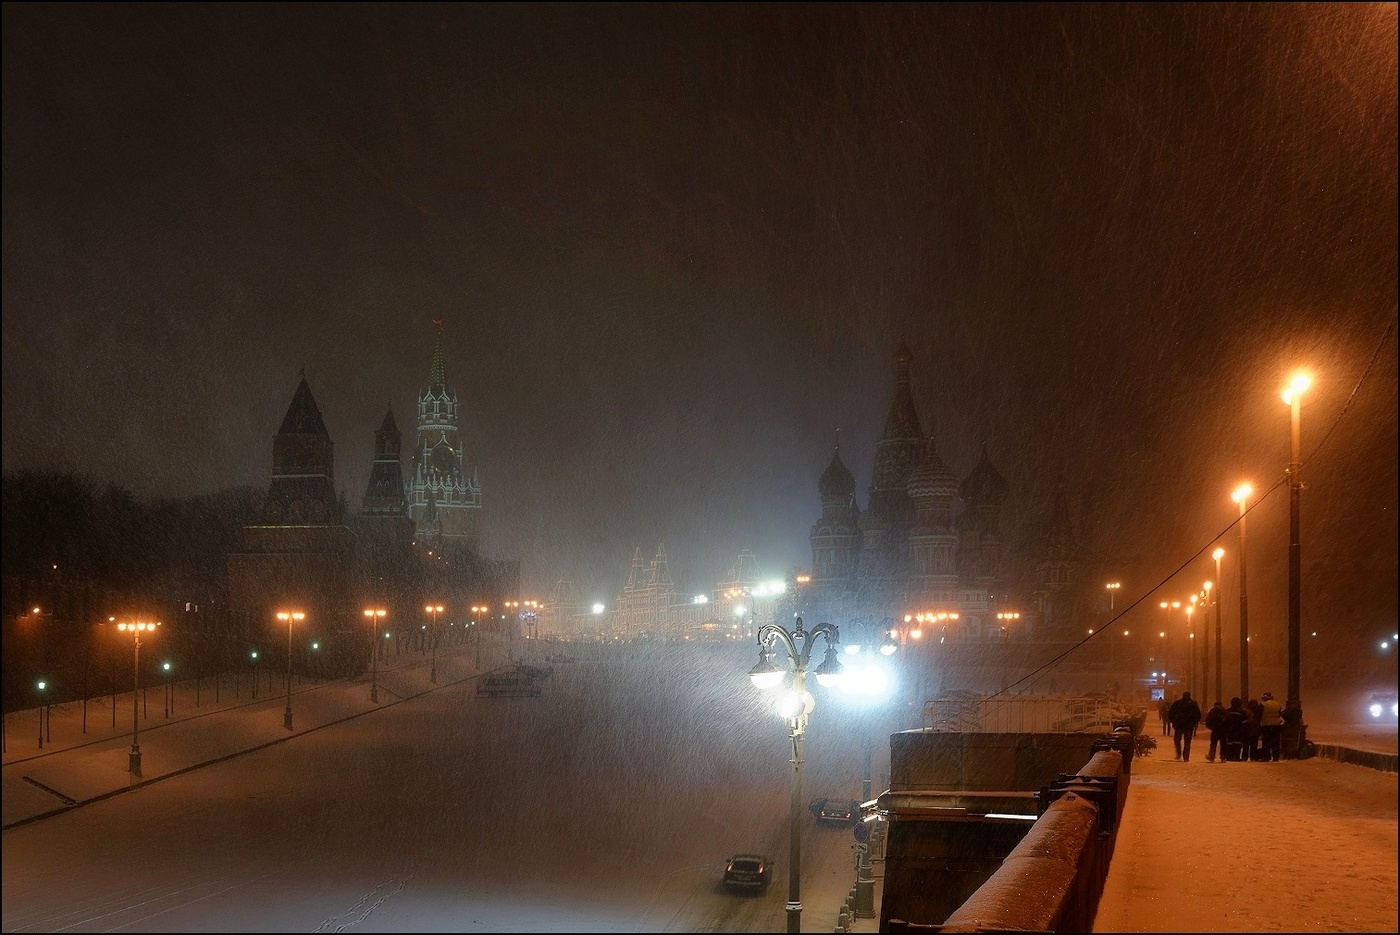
[(676, 247)]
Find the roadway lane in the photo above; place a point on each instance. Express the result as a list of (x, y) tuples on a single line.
[(607, 804)]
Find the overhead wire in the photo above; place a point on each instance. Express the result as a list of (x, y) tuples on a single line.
[(1030, 678)]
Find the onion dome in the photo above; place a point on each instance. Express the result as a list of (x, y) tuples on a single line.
[(836, 481), (932, 477), (984, 484)]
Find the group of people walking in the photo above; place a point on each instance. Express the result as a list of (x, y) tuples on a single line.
[(1243, 731)]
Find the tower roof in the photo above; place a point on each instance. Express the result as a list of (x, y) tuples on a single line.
[(303, 417), (903, 419), (985, 484), (836, 480), (437, 372), (932, 477), (389, 426)]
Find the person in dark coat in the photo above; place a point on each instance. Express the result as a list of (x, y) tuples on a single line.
[(1252, 730), (1215, 723), (1184, 714), (1163, 709), (1235, 720)]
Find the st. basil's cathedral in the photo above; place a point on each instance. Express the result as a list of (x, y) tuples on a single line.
[(930, 544)]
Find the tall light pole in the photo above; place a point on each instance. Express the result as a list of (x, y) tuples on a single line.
[(1190, 646), (1006, 617), (1218, 554), (136, 629), (1112, 588), (477, 611), (1168, 606), (1293, 396), (795, 706), (287, 617), (434, 610), (1241, 496), (375, 614), (1205, 641), (39, 688)]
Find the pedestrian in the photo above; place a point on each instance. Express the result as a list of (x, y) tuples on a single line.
[(1270, 727), (1251, 731), (1215, 723), (1233, 731), (1163, 710), (1184, 714)]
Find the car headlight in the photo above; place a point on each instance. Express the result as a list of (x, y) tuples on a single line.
[(1376, 710), (1395, 709)]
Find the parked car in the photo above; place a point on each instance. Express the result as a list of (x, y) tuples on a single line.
[(748, 872), (1384, 706), (836, 811)]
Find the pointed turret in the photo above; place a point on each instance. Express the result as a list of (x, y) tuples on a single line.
[(303, 465), (885, 551), (384, 496), (835, 538)]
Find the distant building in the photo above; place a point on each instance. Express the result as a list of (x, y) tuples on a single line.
[(299, 554), (443, 500), (412, 541), (925, 543), (650, 606)]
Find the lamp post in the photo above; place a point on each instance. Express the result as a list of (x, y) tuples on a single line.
[(1205, 633), (1293, 396), (169, 701), (39, 687), (1218, 554), (1112, 588), (1190, 647), (1006, 617), (136, 628), (434, 610), (1168, 606), (1241, 496), (288, 617), (795, 707), (375, 614), (476, 628)]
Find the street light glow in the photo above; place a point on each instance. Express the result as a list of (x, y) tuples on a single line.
[(1296, 387)]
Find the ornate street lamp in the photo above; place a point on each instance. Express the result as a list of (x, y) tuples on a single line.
[(136, 628), (287, 617), (375, 614), (795, 706)]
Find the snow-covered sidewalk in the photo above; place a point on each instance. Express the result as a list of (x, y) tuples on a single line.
[(1294, 846)]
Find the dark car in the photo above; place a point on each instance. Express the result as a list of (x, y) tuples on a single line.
[(748, 872), (836, 811)]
